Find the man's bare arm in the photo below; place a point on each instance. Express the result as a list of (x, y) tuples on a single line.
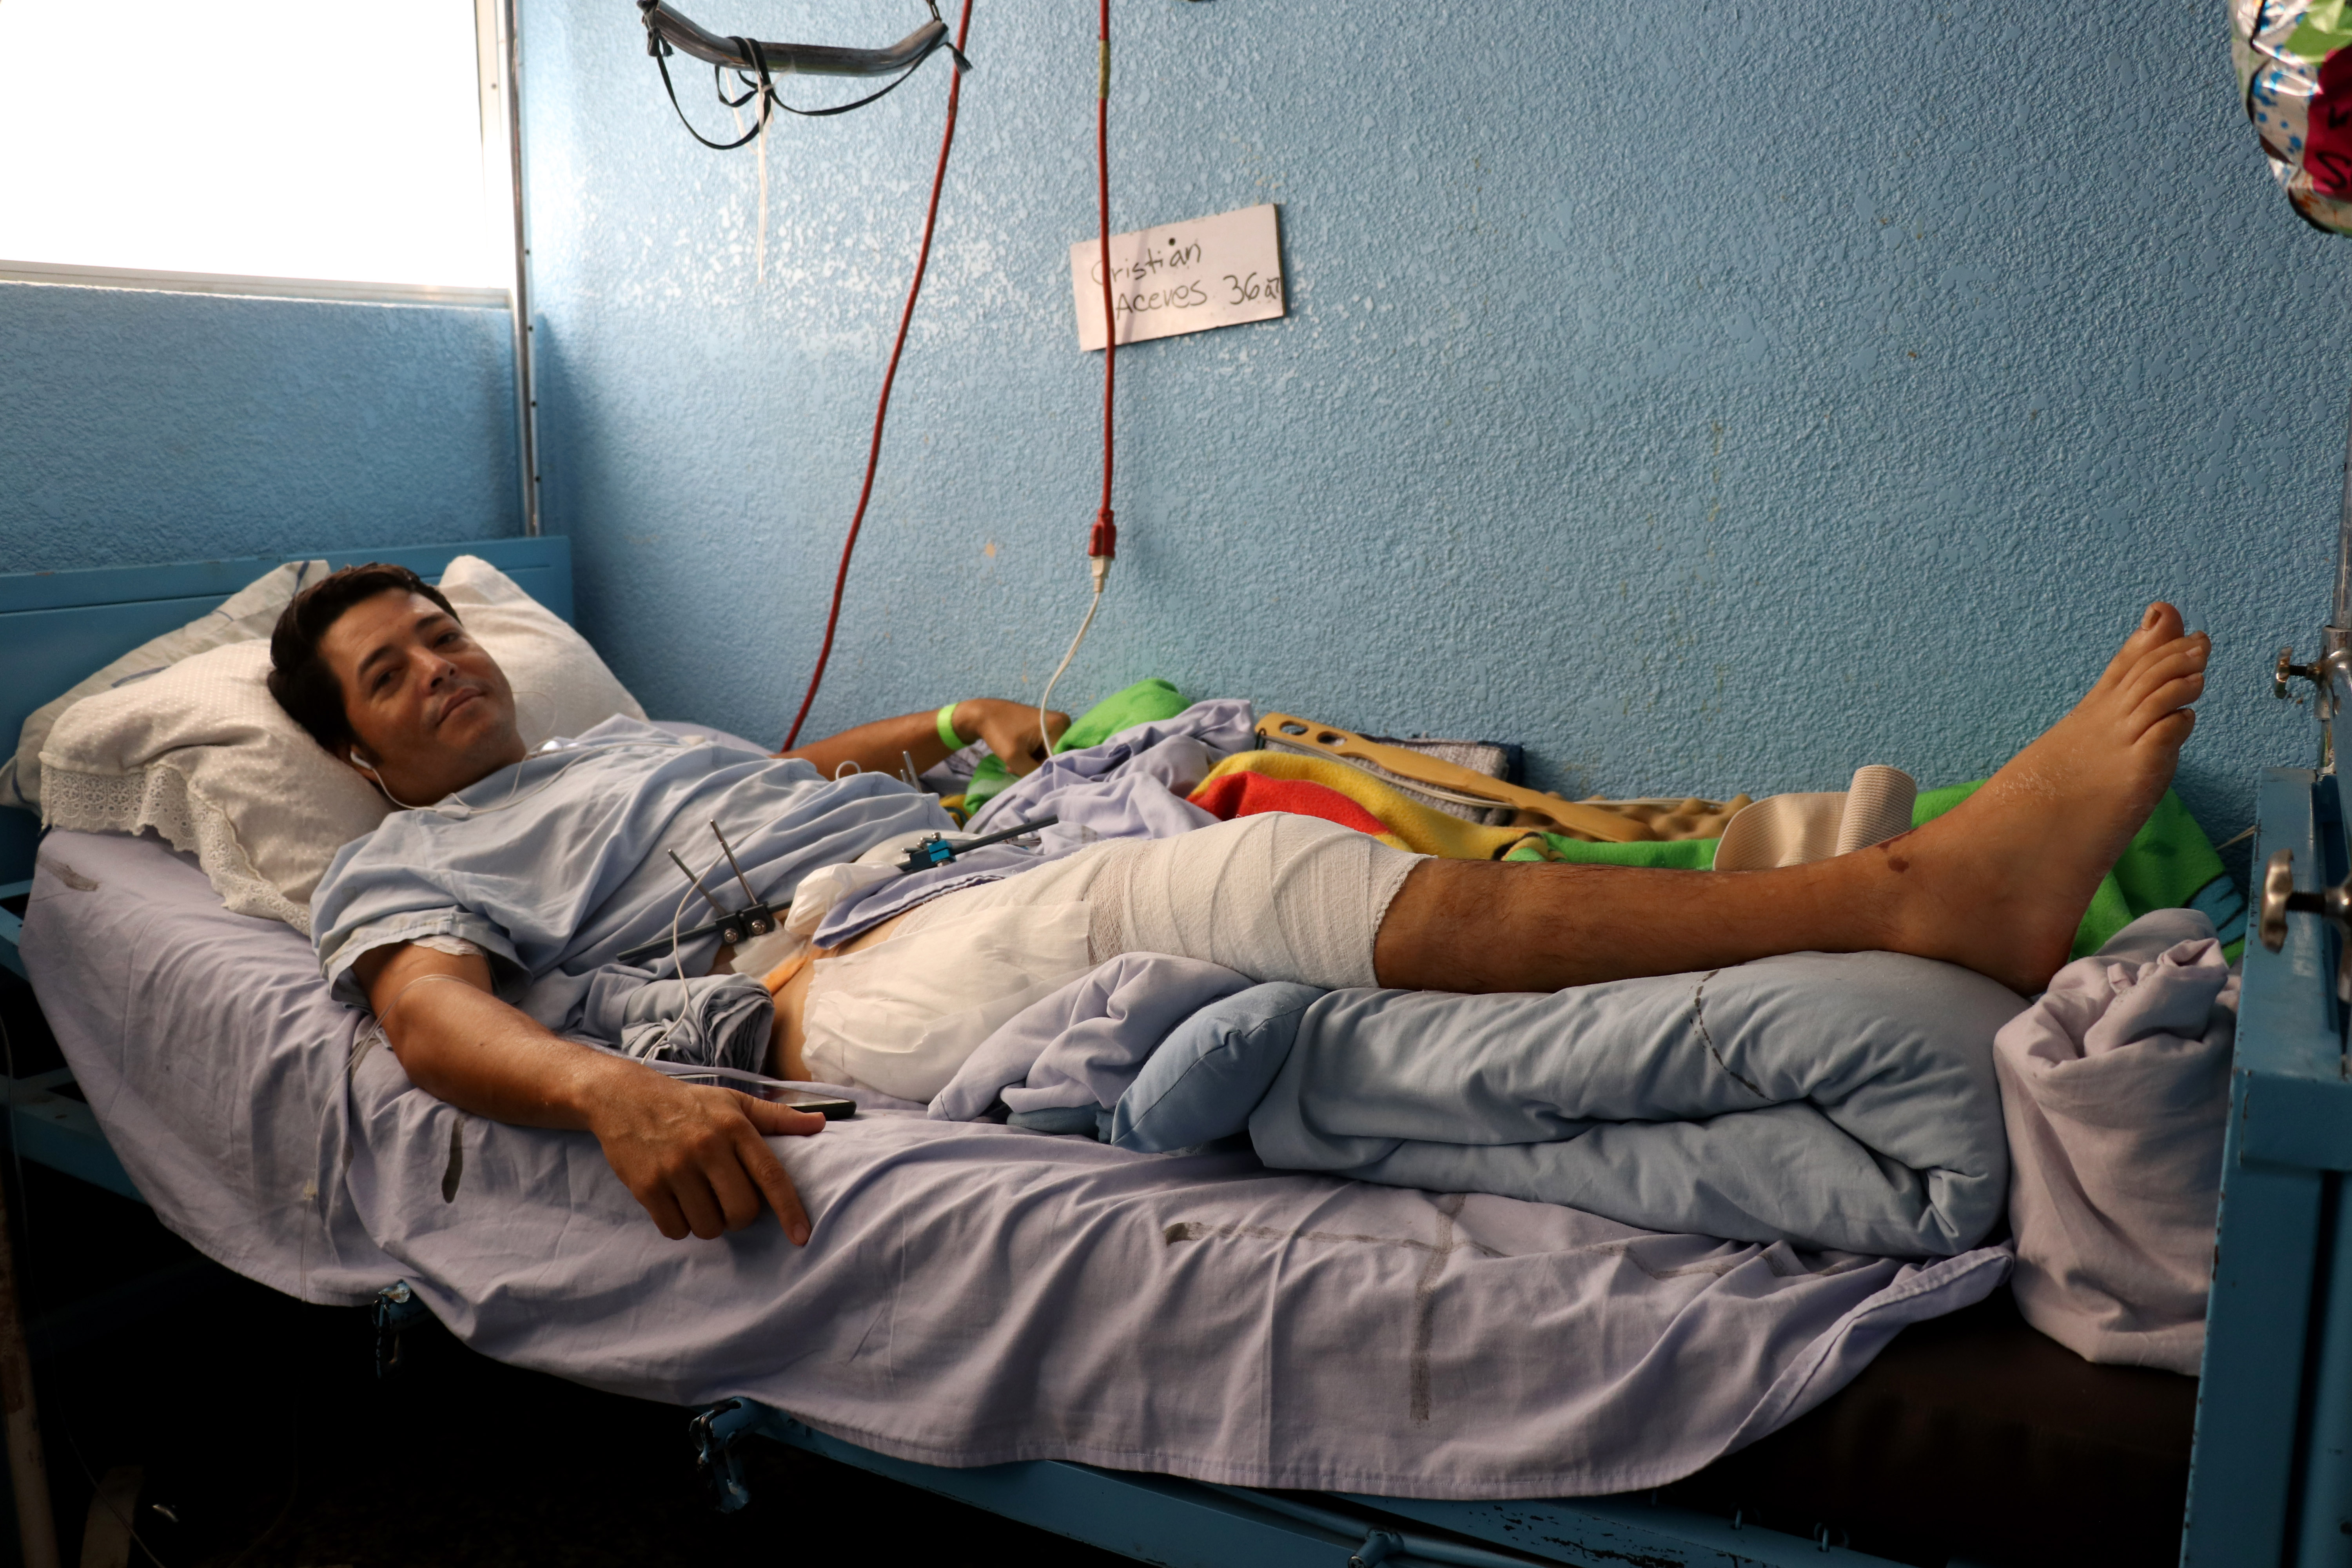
[(692, 1155), (1009, 728)]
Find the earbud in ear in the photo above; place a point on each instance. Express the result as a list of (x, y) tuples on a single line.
[(361, 758)]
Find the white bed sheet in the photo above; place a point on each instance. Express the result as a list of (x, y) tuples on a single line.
[(972, 1294)]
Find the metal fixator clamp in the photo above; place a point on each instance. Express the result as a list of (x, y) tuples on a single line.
[(937, 850), (732, 927)]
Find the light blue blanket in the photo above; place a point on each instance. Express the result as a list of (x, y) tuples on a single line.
[(1829, 1101)]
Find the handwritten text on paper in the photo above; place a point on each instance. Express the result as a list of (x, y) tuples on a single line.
[(1181, 277)]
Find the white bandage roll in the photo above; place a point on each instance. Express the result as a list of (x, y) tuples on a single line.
[(1799, 829), (1877, 806)]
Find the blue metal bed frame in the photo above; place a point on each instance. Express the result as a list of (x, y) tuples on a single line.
[(2271, 1476)]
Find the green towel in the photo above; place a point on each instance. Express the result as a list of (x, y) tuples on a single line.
[(2170, 864), (1141, 703), (1680, 854)]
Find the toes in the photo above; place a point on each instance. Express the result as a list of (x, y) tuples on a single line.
[(2159, 624), (2173, 729), (2190, 652), (2173, 697), (2167, 662)]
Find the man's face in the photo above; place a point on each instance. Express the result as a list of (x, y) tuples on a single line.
[(432, 709)]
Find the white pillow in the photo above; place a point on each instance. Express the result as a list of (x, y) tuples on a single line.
[(249, 613), (203, 754), (560, 687)]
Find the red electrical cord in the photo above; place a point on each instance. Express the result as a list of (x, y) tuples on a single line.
[(1103, 541), (882, 408)]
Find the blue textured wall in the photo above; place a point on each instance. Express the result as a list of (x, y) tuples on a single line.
[(138, 425), (1711, 396)]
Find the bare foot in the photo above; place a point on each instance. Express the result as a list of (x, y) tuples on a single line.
[(2000, 883)]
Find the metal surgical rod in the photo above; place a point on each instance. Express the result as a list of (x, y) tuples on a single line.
[(789, 60), (716, 907)]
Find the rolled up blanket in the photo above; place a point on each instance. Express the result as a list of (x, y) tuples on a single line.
[(2116, 1085), (721, 1020)]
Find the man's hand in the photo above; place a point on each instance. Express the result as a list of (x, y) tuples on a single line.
[(1010, 729), (887, 745), (693, 1155)]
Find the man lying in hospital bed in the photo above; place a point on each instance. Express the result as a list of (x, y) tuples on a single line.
[(484, 925)]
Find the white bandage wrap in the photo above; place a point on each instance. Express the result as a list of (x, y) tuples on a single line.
[(903, 1014), (1275, 897)]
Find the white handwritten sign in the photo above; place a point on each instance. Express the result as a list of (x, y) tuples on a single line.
[(1181, 277)]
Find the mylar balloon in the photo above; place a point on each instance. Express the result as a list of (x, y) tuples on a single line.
[(2295, 66)]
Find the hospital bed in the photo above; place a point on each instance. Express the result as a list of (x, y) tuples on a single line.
[(1927, 1429)]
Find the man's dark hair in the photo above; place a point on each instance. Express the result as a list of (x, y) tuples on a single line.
[(299, 675)]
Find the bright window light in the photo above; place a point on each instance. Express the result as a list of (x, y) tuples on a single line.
[(317, 138)]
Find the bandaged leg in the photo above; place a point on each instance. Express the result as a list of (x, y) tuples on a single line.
[(903, 1014), (1275, 896)]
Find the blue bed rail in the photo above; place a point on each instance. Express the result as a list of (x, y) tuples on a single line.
[(1193, 1524), (2271, 1481)]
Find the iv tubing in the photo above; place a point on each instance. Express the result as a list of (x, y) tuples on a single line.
[(1101, 568), (889, 375), (1102, 543)]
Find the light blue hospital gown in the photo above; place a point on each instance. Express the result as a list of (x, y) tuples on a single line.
[(555, 885)]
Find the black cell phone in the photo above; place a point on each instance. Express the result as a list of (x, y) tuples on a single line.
[(830, 1107)]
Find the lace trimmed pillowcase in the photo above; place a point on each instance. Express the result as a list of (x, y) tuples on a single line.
[(248, 614), (200, 751)]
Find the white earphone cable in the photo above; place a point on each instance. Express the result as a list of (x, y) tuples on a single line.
[(513, 797)]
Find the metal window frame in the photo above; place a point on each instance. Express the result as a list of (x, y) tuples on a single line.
[(148, 278), (497, 69)]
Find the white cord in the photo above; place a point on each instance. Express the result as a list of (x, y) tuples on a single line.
[(736, 112), (1101, 567), (761, 271), (512, 798), (677, 961)]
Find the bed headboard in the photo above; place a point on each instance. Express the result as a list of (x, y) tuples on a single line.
[(58, 626)]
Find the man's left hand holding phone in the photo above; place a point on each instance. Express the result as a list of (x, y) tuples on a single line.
[(694, 1155)]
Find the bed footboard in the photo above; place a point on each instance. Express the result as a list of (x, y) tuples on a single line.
[(2271, 1479)]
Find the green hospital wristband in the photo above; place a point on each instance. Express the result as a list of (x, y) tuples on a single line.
[(953, 741)]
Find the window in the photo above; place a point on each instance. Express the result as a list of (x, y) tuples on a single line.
[(354, 141)]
